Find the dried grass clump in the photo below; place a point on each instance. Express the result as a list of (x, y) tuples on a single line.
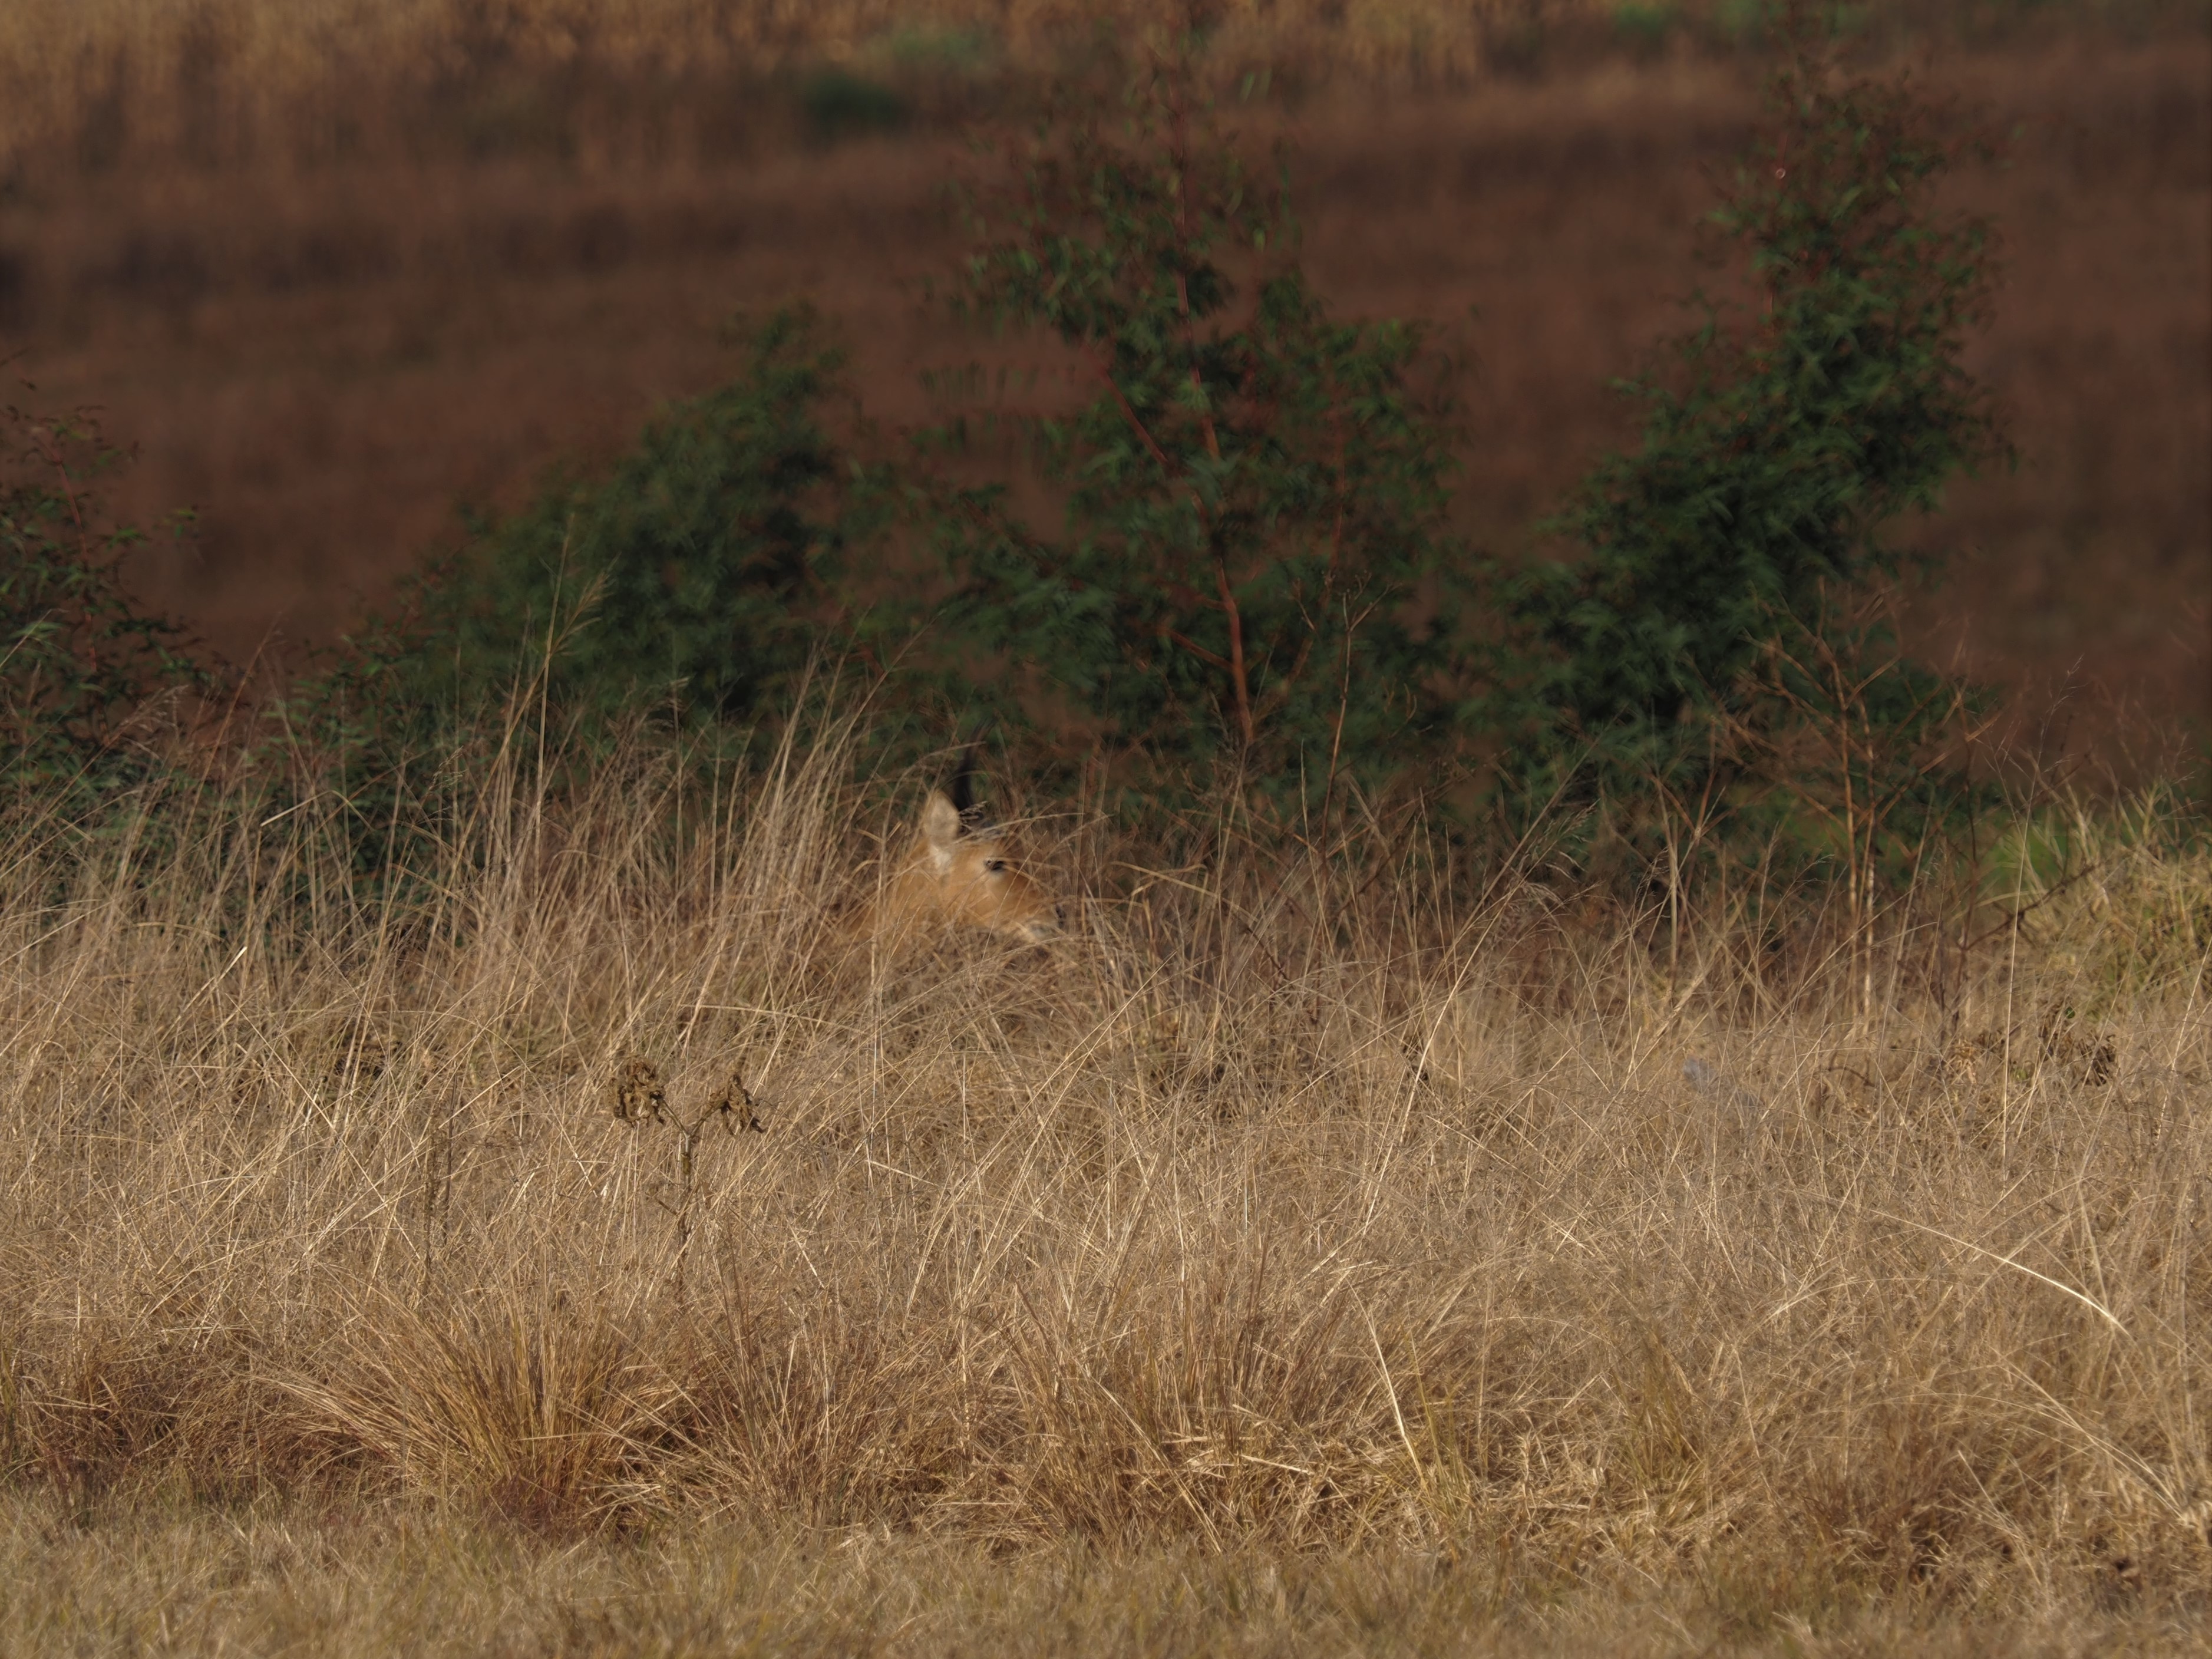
[(1287, 1210)]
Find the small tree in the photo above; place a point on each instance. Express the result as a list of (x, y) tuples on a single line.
[(1249, 573), (1766, 482)]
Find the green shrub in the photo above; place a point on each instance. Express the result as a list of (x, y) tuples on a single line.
[(690, 579), (687, 588), (1250, 576), (82, 669), (1719, 600)]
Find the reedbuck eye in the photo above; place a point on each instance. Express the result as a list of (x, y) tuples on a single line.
[(993, 865)]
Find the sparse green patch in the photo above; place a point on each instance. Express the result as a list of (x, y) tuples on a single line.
[(839, 103), (88, 678)]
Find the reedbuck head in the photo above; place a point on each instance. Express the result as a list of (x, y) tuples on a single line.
[(962, 873)]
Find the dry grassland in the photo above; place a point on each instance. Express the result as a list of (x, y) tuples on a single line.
[(1372, 1257), (213, 75), (215, 82), (216, 79)]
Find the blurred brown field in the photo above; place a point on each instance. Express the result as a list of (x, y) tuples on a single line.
[(335, 270), (226, 77)]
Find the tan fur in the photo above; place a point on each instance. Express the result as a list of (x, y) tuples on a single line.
[(956, 877)]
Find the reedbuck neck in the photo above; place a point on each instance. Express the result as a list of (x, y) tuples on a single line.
[(958, 872)]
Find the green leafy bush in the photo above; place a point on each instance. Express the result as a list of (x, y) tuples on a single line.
[(1250, 577), (1730, 554), (691, 579), (81, 667), (687, 588)]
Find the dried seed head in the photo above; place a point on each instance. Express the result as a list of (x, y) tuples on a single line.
[(638, 1092), (735, 1105), (1961, 1062)]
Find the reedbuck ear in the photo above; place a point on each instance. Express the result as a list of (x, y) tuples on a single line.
[(940, 827)]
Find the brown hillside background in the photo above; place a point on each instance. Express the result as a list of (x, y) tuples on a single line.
[(328, 308)]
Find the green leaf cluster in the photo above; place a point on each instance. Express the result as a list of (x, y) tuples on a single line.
[(82, 667), (1770, 469), (1251, 577), (687, 588), (691, 579)]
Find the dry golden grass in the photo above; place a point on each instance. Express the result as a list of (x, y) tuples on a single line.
[(274, 1582), (1339, 1257), (212, 78), (212, 81)]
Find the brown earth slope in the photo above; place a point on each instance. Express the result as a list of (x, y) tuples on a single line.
[(325, 360)]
